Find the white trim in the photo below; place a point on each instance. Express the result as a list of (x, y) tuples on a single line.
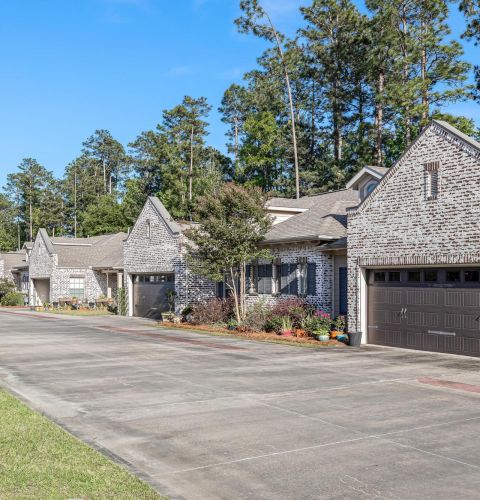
[(361, 173), (362, 278), (130, 294)]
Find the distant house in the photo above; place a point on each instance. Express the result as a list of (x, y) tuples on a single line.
[(14, 266), (86, 269)]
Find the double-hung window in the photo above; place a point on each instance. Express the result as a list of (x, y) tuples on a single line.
[(77, 287)]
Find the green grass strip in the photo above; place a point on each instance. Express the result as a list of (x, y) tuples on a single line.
[(39, 460)]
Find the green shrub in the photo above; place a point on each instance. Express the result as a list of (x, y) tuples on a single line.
[(257, 317), (12, 299), (6, 286), (273, 324)]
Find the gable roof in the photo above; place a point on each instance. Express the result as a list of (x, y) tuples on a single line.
[(165, 214), (97, 252), (325, 219), (443, 129)]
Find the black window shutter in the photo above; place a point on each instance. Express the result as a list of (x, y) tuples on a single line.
[(260, 278), (268, 279), (284, 279), (248, 280), (312, 279), (220, 288), (292, 278)]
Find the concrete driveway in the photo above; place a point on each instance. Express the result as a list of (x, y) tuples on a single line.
[(203, 417)]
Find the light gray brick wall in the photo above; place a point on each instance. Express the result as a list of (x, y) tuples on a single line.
[(163, 252), (324, 275), (398, 225)]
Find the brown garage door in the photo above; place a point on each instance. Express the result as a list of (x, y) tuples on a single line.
[(150, 294), (427, 309)]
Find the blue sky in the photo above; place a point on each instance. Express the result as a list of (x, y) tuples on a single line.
[(70, 67)]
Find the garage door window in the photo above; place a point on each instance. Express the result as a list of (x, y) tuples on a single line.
[(453, 276), (394, 276), (431, 276), (77, 288), (414, 276), (379, 276), (472, 276)]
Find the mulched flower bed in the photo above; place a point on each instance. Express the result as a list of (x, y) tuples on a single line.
[(262, 336)]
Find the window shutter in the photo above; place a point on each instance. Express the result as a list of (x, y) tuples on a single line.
[(292, 279), (261, 278), (220, 289), (284, 279), (248, 279), (312, 279), (268, 279)]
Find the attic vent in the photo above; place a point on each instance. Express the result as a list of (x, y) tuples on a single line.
[(431, 179), (149, 229)]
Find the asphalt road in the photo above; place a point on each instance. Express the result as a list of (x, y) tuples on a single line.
[(203, 417)]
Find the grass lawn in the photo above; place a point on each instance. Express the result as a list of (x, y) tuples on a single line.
[(38, 459), (82, 312)]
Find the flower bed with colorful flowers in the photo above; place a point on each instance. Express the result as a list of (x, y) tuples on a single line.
[(290, 318)]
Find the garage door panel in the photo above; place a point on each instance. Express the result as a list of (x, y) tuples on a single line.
[(150, 295), (439, 316)]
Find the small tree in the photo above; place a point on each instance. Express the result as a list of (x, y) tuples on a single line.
[(232, 224)]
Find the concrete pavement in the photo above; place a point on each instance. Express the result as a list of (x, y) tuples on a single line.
[(203, 417)]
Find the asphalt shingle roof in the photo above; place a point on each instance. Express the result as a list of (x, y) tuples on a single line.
[(318, 200), (325, 217), (105, 251), (14, 260)]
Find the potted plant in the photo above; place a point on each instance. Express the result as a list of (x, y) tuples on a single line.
[(287, 327), (338, 326), (322, 334)]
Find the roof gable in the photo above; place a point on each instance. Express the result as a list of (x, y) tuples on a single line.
[(442, 129)]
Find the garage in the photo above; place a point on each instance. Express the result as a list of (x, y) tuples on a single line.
[(150, 294), (426, 309)]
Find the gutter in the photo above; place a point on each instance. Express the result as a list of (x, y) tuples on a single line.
[(302, 239)]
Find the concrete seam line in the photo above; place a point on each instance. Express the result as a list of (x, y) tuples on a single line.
[(256, 457)]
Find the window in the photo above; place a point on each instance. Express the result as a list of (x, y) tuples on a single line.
[(263, 279), (414, 276), (371, 187), (431, 276), (431, 170), (149, 229), (379, 276), (302, 276), (453, 276), (77, 287), (472, 276), (394, 276)]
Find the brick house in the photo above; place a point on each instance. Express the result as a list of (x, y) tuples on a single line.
[(307, 246), (83, 268), (414, 249), (156, 265), (14, 267)]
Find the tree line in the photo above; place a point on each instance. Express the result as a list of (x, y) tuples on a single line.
[(349, 89)]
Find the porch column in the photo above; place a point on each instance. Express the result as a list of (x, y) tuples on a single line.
[(109, 287)]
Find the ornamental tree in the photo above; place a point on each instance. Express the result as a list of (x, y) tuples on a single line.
[(231, 226)]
